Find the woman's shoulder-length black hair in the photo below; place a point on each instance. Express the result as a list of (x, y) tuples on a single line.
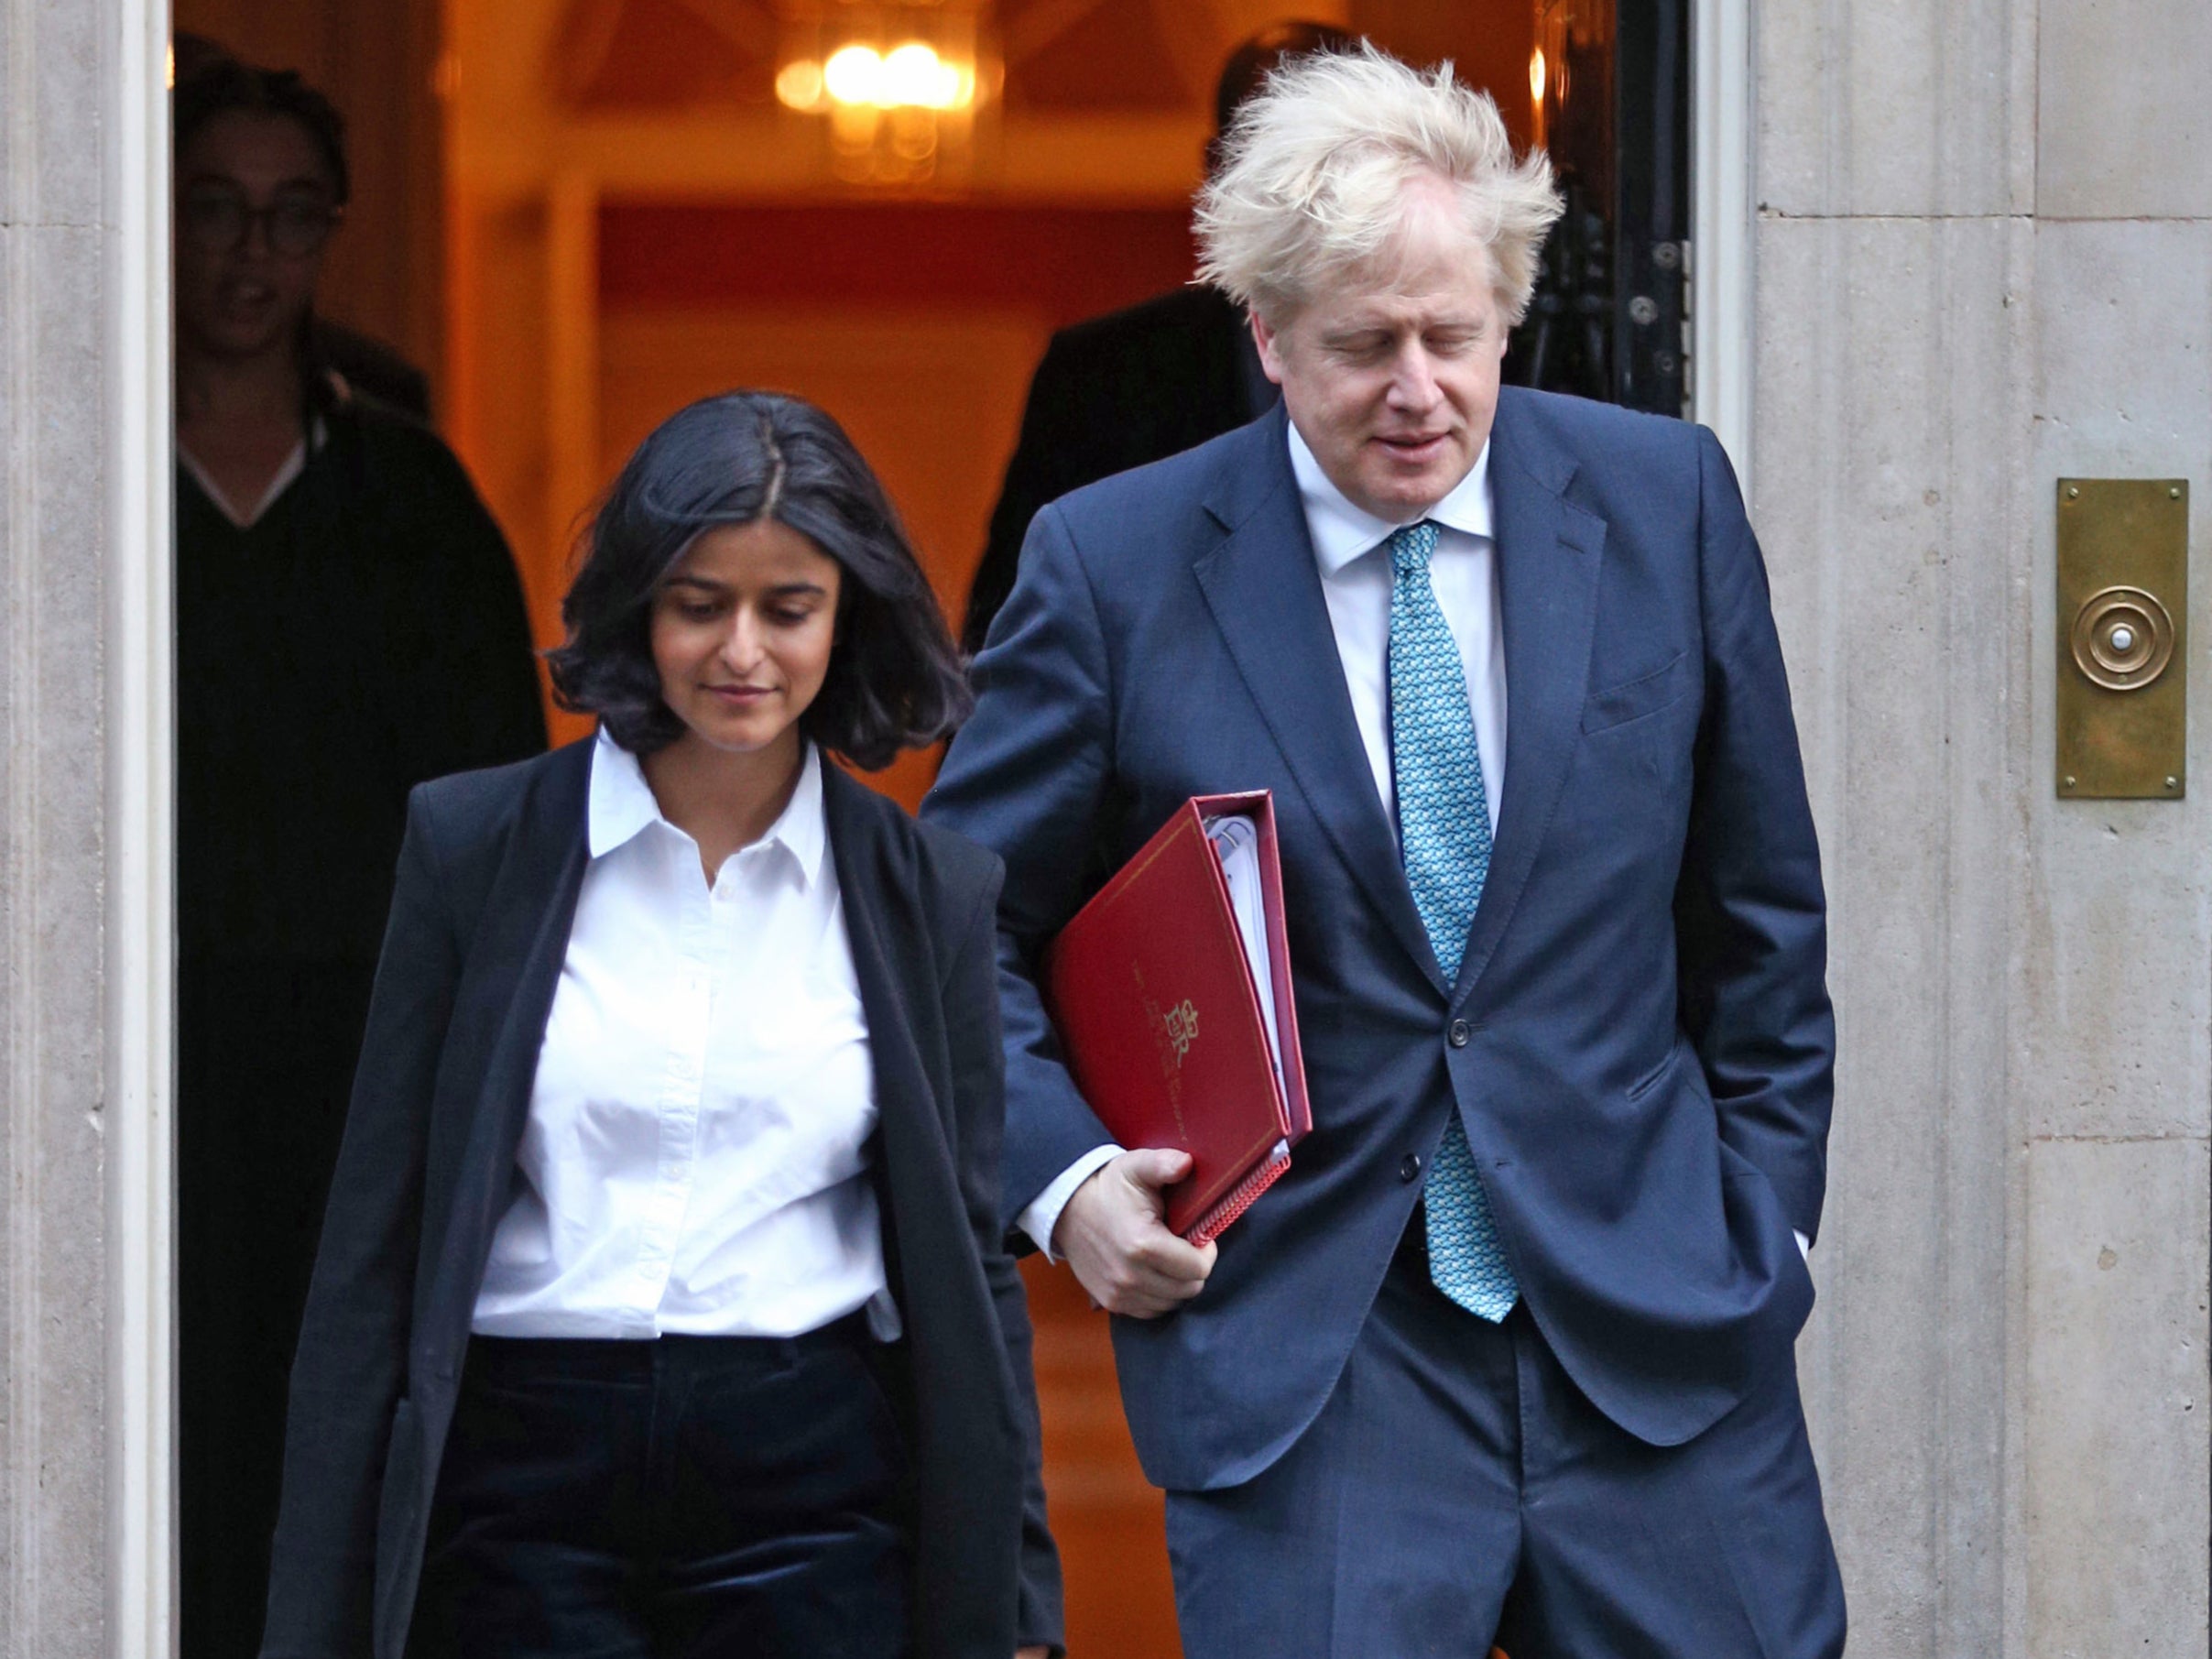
[(894, 680)]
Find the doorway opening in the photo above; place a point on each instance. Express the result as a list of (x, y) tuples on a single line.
[(575, 218)]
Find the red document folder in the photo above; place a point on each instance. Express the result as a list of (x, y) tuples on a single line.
[(1153, 993)]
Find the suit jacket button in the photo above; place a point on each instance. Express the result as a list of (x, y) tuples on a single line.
[(1409, 1167), (1457, 1036)]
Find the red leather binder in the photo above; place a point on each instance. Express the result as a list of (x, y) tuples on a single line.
[(1152, 992)]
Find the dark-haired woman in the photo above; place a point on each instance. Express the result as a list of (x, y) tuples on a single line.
[(348, 624), (663, 1307)]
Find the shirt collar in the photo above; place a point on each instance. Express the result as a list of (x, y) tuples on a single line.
[(1342, 532), (623, 807), (272, 493)]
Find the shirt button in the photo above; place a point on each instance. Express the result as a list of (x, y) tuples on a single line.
[(1409, 1167), (1459, 1034)]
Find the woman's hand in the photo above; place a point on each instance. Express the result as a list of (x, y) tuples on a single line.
[(1032, 1652)]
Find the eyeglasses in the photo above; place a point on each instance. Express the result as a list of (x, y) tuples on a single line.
[(216, 220)]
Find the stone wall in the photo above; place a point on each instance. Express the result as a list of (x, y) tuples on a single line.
[(1984, 260), (62, 1487)]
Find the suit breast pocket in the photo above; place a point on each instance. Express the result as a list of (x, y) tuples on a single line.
[(1644, 695)]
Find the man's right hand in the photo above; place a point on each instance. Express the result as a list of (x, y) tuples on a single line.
[(1111, 1233)]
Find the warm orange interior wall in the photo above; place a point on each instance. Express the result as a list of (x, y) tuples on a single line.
[(1058, 263), (1488, 42)]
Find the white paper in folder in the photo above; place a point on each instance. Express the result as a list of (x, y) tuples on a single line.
[(1237, 843)]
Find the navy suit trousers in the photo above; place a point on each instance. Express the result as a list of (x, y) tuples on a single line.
[(688, 1498), (1458, 1490)]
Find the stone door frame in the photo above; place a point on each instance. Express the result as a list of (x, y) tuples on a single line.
[(140, 905), (1720, 219)]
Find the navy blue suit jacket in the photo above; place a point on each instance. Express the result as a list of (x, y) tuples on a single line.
[(1639, 1042)]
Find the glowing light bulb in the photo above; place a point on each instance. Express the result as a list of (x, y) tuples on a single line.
[(855, 75), (910, 76), (799, 83), (858, 77)]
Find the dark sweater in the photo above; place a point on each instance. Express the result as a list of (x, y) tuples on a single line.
[(366, 633)]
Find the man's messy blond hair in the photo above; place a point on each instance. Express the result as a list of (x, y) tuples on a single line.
[(1321, 169)]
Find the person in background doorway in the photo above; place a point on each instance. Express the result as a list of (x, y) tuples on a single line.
[(663, 1311), (373, 367), (348, 624), (1140, 385)]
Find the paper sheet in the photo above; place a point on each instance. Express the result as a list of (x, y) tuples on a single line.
[(1237, 842)]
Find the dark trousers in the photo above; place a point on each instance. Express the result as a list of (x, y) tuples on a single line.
[(688, 1498), (1457, 1488), (266, 1052)]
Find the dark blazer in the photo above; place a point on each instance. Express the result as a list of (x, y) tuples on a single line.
[(1639, 1041), (486, 893), (1112, 393)]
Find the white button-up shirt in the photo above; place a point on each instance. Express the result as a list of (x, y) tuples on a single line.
[(697, 1153), (1355, 581)]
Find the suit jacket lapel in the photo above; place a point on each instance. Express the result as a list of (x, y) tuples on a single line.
[(532, 906), (1264, 590), (890, 1033), (1547, 557), (902, 1092)]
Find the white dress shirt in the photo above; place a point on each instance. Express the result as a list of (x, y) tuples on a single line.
[(696, 1158), (1355, 582)]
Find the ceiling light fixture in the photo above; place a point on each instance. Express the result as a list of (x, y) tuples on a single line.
[(899, 80)]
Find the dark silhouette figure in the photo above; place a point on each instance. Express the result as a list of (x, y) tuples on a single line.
[(1139, 384), (349, 623)]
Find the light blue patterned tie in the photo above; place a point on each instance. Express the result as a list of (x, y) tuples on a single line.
[(1444, 827)]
